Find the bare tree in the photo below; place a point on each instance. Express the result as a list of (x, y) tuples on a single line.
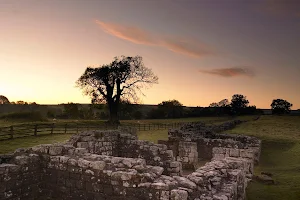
[(125, 77)]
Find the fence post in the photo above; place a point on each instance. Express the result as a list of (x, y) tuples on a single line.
[(66, 128), (11, 132), (52, 127), (35, 129)]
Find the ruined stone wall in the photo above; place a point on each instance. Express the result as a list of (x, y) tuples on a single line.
[(187, 154), (205, 146), (66, 172), (207, 140), (248, 155), (115, 143), (154, 154), (21, 179), (113, 165), (98, 142)]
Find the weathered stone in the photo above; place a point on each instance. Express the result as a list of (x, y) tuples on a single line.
[(179, 194), (184, 182), (55, 150), (84, 164), (98, 165), (157, 170), (264, 179), (21, 160), (159, 186), (234, 152)]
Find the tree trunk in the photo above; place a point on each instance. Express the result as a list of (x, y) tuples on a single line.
[(113, 114)]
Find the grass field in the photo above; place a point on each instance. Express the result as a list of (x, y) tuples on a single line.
[(280, 156), (5, 123), (280, 151), (8, 146)]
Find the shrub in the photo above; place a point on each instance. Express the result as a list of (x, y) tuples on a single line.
[(23, 116)]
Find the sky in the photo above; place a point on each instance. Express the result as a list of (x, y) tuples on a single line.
[(202, 51)]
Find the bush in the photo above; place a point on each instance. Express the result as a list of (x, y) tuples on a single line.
[(137, 114), (23, 116), (50, 114)]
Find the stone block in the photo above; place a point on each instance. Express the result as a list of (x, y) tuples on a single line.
[(179, 194), (55, 150), (234, 152)]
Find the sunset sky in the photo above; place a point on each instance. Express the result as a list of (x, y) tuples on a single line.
[(202, 50)]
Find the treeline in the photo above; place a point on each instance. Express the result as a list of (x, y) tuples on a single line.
[(164, 110), (238, 105), (174, 109), (96, 111)]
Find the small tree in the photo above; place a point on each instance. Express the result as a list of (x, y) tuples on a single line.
[(71, 110), (280, 106), (171, 108), (4, 100), (86, 112), (238, 102), (20, 102), (124, 77), (222, 103)]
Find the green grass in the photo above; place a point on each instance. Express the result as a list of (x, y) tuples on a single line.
[(280, 156), (153, 136), (5, 122), (8, 146)]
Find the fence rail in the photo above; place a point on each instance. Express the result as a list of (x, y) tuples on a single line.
[(18, 131)]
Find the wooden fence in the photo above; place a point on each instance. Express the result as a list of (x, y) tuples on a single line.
[(18, 131)]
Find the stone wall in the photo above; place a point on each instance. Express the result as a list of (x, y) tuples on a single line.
[(115, 165), (21, 178), (154, 154), (206, 140), (65, 172), (98, 142), (187, 154), (114, 143)]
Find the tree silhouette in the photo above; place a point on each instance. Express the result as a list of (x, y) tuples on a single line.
[(222, 103), (124, 77), (238, 102), (171, 109), (220, 108), (4, 100), (280, 106)]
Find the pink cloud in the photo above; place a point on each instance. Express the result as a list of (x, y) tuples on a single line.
[(139, 36), (229, 72)]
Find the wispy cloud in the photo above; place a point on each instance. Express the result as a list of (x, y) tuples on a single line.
[(139, 36), (281, 7), (230, 72)]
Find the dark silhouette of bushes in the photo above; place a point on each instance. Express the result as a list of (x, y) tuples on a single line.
[(23, 116)]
